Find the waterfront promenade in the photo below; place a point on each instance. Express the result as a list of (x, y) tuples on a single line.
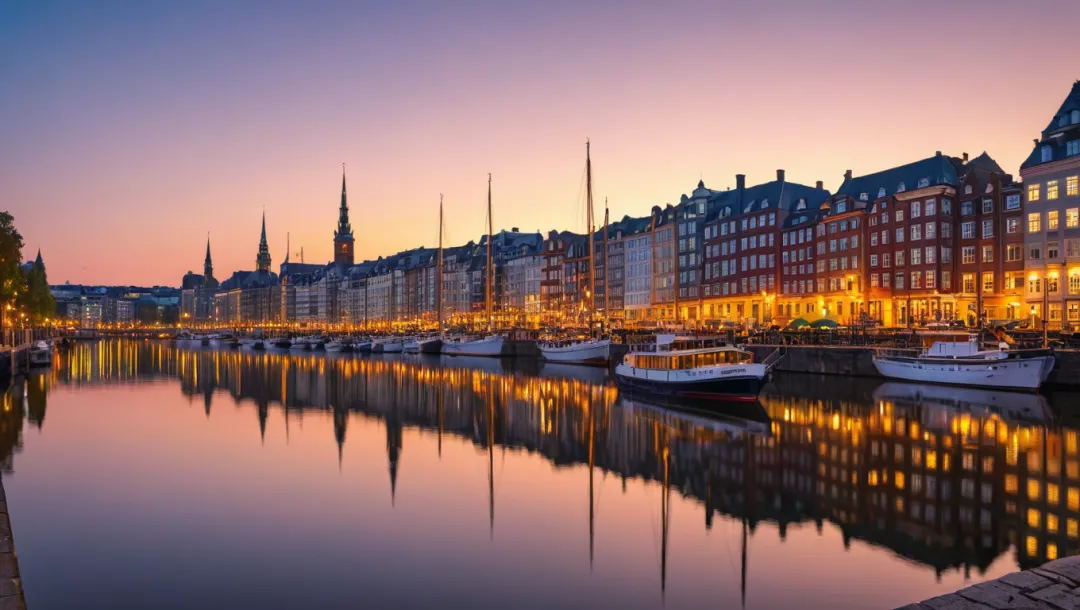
[(1053, 586), (11, 593)]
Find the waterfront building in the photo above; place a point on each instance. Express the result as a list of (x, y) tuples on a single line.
[(638, 270), (663, 265), (839, 259), (1051, 176), (551, 275), (521, 299), (798, 290), (576, 281), (615, 270), (691, 215)]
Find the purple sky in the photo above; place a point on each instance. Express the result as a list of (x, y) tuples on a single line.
[(131, 129)]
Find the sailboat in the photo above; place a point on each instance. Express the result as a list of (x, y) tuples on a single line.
[(491, 345), (593, 350), (433, 345)]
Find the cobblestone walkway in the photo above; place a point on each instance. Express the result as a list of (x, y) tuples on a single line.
[(1052, 586), (11, 594)]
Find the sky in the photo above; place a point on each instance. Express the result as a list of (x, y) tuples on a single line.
[(129, 131)]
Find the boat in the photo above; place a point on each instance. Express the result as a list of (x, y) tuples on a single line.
[(363, 347), (431, 345), (41, 353), (592, 350), (253, 343), (299, 344), (222, 340), (588, 351), (388, 345), (490, 346), (411, 346), (701, 369), (279, 343), (942, 404), (955, 358), (339, 344)]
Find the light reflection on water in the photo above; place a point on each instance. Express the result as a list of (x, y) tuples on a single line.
[(315, 480)]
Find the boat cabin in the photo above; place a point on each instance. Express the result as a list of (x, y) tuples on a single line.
[(692, 359)]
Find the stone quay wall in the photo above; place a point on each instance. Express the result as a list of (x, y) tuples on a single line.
[(1052, 586), (11, 593)]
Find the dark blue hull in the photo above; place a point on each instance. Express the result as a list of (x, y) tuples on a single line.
[(739, 388)]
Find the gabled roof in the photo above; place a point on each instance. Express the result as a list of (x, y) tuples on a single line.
[(1059, 132), (932, 171)]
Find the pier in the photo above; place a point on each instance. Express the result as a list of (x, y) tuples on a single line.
[(1053, 586)]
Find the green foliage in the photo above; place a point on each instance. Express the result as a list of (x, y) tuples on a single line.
[(12, 279), (36, 300)]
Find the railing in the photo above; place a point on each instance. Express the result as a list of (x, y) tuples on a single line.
[(773, 359)]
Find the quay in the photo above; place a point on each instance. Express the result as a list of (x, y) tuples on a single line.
[(1052, 586), (11, 593)]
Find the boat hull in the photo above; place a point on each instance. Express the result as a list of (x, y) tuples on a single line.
[(490, 347), (1007, 373), (40, 356), (742, 382), (335, 346), (588, 352), (390, 347), (412, 347), (430, 346)]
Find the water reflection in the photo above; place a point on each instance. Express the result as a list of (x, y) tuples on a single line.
[(949, 479)]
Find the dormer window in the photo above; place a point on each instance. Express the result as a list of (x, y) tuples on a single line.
[(1063, 121), (900, 188), (880, 192), (864, 197), (924, 182), (989, 187), (764, 203), (967, 189), (1047, 153), (841, 207), (801, 205)]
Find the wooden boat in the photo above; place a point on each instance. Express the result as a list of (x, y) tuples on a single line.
[(693, 369), (955, 358)]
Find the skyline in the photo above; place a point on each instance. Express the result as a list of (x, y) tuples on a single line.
[(196, 119)]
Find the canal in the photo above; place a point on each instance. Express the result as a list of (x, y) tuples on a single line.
[(141, 475)]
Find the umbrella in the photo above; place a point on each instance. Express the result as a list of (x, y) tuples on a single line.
[(824, 323), (798, 323)]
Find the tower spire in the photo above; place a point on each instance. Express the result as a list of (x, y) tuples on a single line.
[(343, 237), (262, 260), (208, 264)]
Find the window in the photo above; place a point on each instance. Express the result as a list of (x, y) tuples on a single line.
[(930, 227), (1072, 248), (1072, 147), (1047, 152), (873, 280), (988, 281), (1052, 250), (916, 257), (873, 238), (1072, 186), (916, 209), (1012, 225), (946, 255), (946, 280), (899, 258), (988, 206), (968, 282), (987, 228), (931, 206), (1074, 286), (916, 232), (873, 260), (1012, 202), (1052, 189), (885, 279), (886, 260), (988, 254), (899, 281), (931, 255), (967, 255), (967, 208), (1015, 253), (930, 279), (1034, 223), (967, 230), (899, 215), (899, 234), (916, 279), (1072, 218), (1033, 192), (1035, 253), (1052, 284)]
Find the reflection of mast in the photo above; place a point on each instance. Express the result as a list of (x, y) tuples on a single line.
[(438, 284), (742, 583), (592, 514), (665, 498), (491, 456), (340, 422), (439, 413)]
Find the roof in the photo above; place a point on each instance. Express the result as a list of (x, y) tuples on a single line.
[(248, 279), (931, 171), (1064, 127)]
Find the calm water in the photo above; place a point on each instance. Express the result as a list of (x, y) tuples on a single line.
[(140, 475)]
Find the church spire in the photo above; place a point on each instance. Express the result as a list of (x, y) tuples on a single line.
[(262, 260), (208, 264), (343, 236)]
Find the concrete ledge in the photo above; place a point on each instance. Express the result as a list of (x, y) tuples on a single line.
[(11, 593), (1052, 586)]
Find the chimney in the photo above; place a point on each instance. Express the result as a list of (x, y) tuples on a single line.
[(740, 186), (514, 230), (847, 175), (779, 175), (937, 154), (820, 185), (965, 158)]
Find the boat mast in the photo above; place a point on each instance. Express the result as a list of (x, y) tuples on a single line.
[(607, 277), (490, 269), (590, 305), (438, 273)]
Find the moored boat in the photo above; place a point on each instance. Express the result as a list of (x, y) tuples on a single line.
[(490, 346), (339, 344), (362, 347), (300, 344), (411, 346), (692, 369), (956, 359), (431, 345), (388, 345), (279, 343), (41, 353), (589, 351)]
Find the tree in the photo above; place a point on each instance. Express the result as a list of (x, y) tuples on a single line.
[(12, 279)]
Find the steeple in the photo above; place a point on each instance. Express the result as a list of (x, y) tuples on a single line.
[(40, 264), (343, 237), (262, 261), (208, 264)]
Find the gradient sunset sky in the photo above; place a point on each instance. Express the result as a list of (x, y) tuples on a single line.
[(131, 129)]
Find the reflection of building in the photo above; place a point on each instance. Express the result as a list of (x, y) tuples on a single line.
[(938, 478)]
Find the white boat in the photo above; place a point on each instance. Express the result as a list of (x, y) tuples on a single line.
[(41, 354), (339, 345), (253, 343), (956, 359), (590, 351), (299, 344), (222, 340), (488, 346), (702, 369), (411, 346), (388, 345), (362, 346)]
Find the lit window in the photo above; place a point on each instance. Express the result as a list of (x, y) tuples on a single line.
[(1033, 192), (1072, 186), (1033, 518), (1052, 189), (1033, 491), (1052, 220), (1034, 222), (1031, 546)]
